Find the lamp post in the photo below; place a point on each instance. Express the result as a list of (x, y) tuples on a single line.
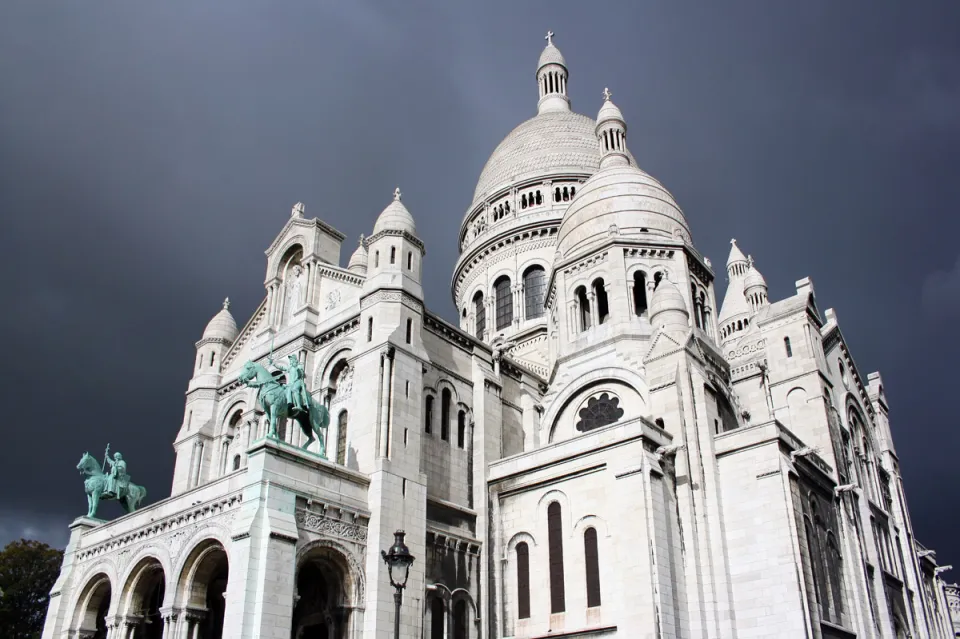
[(398, 560)]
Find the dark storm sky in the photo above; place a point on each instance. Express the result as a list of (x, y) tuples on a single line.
[(150, 152)]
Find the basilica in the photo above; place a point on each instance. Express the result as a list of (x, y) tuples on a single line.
[(596, 448)]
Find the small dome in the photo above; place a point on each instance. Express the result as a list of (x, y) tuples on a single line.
[(621, 200), (753, 278), (551, 54), (667, 297), (358, 261), (222, 326), (609, 110), (395, 217)]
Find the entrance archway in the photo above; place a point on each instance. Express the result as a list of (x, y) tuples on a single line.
[(202, 586), (90, 616), (144, 591), (324, 595)]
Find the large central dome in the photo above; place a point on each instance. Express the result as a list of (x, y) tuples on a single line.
[(550, 142)]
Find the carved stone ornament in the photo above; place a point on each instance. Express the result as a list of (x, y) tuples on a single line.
[(324, 525), (333, 299)]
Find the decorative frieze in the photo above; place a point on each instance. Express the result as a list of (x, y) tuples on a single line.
[(347, 525), (184, 523)]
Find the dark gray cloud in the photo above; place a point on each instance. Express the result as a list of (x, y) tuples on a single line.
[(149, 153)]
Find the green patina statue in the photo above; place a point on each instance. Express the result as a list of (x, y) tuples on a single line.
[(114, 484), (291, 400)]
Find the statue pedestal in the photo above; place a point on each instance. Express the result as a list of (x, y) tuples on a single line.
[(83, 524)]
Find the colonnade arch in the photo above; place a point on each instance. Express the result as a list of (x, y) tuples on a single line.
[(201, 590), (93, 604), (142, 598)]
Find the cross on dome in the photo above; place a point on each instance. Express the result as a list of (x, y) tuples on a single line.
[(396, 194), (549, 38), (226, 303), (361, 239), (606, 95)]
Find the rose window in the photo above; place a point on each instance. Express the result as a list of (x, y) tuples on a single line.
[(599, 411)]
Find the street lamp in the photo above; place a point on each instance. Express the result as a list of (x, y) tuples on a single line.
[(398, 560)]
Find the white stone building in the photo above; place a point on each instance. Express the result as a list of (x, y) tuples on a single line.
[(596, 450)]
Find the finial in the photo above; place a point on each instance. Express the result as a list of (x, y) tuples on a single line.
[(361, 239), (549, 38), (396, 194), (226, 303), (298, 209), (606, 95), (733, 242), (750, 261)]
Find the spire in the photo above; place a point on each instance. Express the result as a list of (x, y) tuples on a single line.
[(552, 78), (735, 311), (737, 262), (612, 133)]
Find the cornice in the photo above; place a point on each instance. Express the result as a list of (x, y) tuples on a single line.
[(413, 239)]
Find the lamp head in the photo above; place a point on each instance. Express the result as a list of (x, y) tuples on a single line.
[(398, 560)]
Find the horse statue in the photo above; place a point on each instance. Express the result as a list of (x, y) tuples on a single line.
[(97, 483), (274, 397)]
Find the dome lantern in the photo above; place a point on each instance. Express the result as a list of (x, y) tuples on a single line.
[(552, 78), (612, 134)]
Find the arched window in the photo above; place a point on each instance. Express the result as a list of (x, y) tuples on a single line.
[(696, 307), (370, 329), (409, 260), (504, 300), (342, 438), (460, 620), (787, 347), (376, 259), (236, 462), (523, 581), (393, 254), (703, 311), (409, 329), (657, 277), (199, 360), (600, 295), (461, 428), (211, 357), (555, 535), (437, 621), (523, 201), (814, 551), (556, 194), (566, 194), (534, 291), (445, 414), (573, 192), (480, 311), (428, 415), (584, 304), (592, 561), (539, 198), (639, 293)]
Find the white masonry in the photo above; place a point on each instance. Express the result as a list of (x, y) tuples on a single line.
[(599, 449)]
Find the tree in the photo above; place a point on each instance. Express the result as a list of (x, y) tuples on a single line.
[(28, 570)]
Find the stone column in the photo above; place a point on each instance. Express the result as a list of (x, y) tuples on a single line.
[(169, 617), (592, 311)]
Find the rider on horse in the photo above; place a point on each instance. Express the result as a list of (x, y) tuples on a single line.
[(296, 390), (118, 478)]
